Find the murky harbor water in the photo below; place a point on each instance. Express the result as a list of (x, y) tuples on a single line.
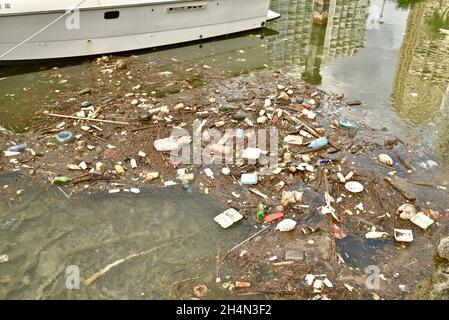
[(390, 58), (45, 233)]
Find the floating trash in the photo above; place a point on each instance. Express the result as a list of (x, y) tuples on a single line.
[(294, 140), (65, 137), (406, 211), (251, 153), (403, 235), (274, 217), (208, 172), (318, 143), (249, 178), (228, 218), (422, 220), (385, 159), (286, 225), (17, 148), (354, 187), (347, 124), (373, 234), (58, 181)]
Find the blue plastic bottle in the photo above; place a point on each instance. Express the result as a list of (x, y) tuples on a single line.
[(347, 124), (318, 143), (17, 148)]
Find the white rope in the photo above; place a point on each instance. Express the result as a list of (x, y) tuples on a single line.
[(41, 30)]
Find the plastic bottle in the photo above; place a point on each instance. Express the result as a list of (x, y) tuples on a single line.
[(347, 124), (227, 107), (330, 158), (61, 181), (186, 186), (17, 148), (65, 137), (260, 211), (318, 143)]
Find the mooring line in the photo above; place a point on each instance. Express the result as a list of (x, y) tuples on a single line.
[(41, 30)]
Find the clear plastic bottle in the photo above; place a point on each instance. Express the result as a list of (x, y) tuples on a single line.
[(186, 186)]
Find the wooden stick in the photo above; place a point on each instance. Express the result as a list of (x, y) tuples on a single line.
[(421, 183), (283, 263), (312, 131), (248, 239), (326, 182), (404, 193), (297, 109), (313, 150), (218, 264), (409, 264), (87, 119), (91, 178), (299, 122), (96, 112)]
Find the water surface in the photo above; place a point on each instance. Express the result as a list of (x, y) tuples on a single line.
[(44, 233), (393, 59)]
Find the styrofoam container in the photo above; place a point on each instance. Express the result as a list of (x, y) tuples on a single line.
[(228, 218), (421, 220), (251, 153), (403, 235), (249, 178)]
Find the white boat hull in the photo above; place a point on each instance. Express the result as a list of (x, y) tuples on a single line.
[(140, 26)]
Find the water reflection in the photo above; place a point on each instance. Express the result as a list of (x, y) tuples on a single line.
[(421, 84), (314, 32)]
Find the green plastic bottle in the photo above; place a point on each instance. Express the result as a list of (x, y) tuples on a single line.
[(227, 107), (60, 181), (261, 211)]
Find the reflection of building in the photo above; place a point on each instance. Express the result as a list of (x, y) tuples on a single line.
[(421, 84), (290, 46), (312, 32), (345, 33), (422, 75)]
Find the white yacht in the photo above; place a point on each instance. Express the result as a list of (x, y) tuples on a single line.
[(47, 29)]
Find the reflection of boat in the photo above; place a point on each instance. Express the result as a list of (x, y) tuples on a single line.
[(234, 54), (56, 29)]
